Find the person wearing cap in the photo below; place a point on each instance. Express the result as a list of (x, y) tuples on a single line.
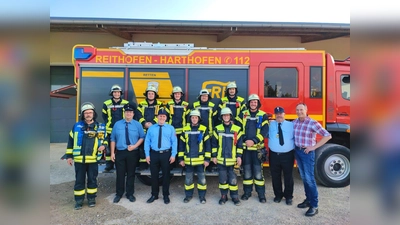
[(86, 143), (227, 149), (208, 113), (178, 110), (148, 110), (254, 124), (111, 113), (126, 137), (231, 100), (281, 156), (305, 131), (160, 147), (194, 153)]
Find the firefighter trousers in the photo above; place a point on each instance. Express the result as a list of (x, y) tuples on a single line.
[(227, 181), (201, 180), (82, 170), (253, 173)]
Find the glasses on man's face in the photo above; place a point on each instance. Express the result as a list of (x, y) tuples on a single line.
[(87, 113)]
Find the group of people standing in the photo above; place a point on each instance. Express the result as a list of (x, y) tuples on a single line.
[(196, 136)]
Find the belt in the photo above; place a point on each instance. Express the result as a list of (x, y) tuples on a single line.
[(300, 147), (127, 149), (161, 151), (280, 153)]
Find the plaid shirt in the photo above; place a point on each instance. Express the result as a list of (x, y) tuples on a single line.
[(305, 132)]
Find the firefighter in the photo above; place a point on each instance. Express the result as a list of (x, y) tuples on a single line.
[(86, 143), (194, 152), (207, 108), (208, 111), (231, 100), (254, 124), (177, 110), (148, 110), (111, 113), (226, 151)]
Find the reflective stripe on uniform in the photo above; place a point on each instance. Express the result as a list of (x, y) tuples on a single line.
[(233, 188), (259, 182), (80, 192), (189, 187), (91, 190), (223, 186), (248, 182), (202, 187)]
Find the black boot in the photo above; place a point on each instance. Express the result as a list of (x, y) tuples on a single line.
[(236, 201), (223, 199), (92, 202), (78, 204), (246, 196)]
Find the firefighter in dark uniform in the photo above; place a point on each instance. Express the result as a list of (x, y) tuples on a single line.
[(86, 143), (194, 152), (177, 110), (208, 111), (113, 110), (226, 151), (148, 110), (231, 100), (254, 123)]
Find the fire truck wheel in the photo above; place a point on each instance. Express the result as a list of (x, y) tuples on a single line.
[(146, 179), (332, 165)]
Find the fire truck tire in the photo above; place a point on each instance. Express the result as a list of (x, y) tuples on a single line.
[(332, 165), (146, 179)]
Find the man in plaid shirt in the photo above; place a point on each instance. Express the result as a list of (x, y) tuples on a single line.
[(305, 130)]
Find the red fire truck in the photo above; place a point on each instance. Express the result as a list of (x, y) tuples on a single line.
[(281, 77)]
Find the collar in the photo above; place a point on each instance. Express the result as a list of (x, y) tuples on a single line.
[(116, 103)]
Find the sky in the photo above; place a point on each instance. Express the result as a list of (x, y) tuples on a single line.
[(210, 10)]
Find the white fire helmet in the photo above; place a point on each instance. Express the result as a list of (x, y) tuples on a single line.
[(86, 106), (225, 111), (115, 87), (177, 89), (231, 85), (151, 88), (254, 97), (195, 112)]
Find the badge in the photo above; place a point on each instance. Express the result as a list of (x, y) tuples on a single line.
[(277, 135)]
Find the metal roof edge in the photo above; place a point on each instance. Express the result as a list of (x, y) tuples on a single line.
[(205, 23)]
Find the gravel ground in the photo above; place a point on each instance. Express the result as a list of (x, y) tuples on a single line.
[(334, 206)]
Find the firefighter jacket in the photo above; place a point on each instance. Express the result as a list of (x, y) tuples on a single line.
[(149, 112), (84, 140), (227, 144), (195, 145), (177, 114), (112, 112), (208, 112), (236, 104), (255, 127)]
